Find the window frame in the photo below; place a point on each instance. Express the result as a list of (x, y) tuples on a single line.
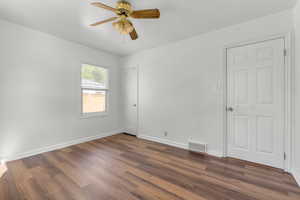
[(107, 94)]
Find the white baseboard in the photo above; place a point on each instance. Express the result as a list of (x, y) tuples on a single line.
[(60, 146), (164, 141), (296, 174), (215, 153), (175, 144)]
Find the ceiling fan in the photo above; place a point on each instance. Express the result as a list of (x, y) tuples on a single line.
[(124, 11)]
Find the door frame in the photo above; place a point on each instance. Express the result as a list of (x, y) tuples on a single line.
[(288, 95), (137, 95)]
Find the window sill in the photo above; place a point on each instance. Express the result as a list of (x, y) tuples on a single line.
[(93, 115)]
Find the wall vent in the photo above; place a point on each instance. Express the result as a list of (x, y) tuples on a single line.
[(197, 147)]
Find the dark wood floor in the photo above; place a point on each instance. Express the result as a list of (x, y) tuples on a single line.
[(126, 168)]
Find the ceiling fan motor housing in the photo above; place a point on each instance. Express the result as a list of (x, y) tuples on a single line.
[(124, 8)]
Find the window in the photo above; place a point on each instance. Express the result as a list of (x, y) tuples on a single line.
[(94, 89)]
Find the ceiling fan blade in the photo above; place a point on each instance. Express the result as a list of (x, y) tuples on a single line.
[(133, 34), (101, 5), (104, 21), (145, 14)]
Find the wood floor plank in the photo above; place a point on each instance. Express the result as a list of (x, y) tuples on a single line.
[(122, 167)]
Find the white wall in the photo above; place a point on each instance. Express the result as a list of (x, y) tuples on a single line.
[(296, 139), (181, 83), (40, 91)]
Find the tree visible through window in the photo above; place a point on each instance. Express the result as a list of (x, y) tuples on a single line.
[(94, 89)]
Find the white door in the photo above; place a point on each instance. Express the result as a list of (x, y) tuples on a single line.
[(255, 75), (130, 91)]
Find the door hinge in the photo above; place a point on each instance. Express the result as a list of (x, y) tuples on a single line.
[(284, 156), (285, 52)]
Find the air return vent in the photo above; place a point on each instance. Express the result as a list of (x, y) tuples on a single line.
[(197, 146)]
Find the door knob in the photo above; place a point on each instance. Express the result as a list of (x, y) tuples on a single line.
[(230, 109), (134, 105)]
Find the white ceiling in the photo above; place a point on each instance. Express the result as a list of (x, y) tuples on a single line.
[(179, 19)]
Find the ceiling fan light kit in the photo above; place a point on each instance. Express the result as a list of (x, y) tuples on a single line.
[(124, 11), (123, 26)]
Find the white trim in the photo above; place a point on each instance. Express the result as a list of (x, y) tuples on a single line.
[(93, 115), (215, 153), (175, 144), (107, 95), (138, 101), (289, 84), (60, 146), (289, 107), (164, 141), (296, 174)]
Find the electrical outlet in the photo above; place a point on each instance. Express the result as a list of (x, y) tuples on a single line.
[(166, 133)]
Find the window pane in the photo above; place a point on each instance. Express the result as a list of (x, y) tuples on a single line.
[(93, 77), (93, 101)]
